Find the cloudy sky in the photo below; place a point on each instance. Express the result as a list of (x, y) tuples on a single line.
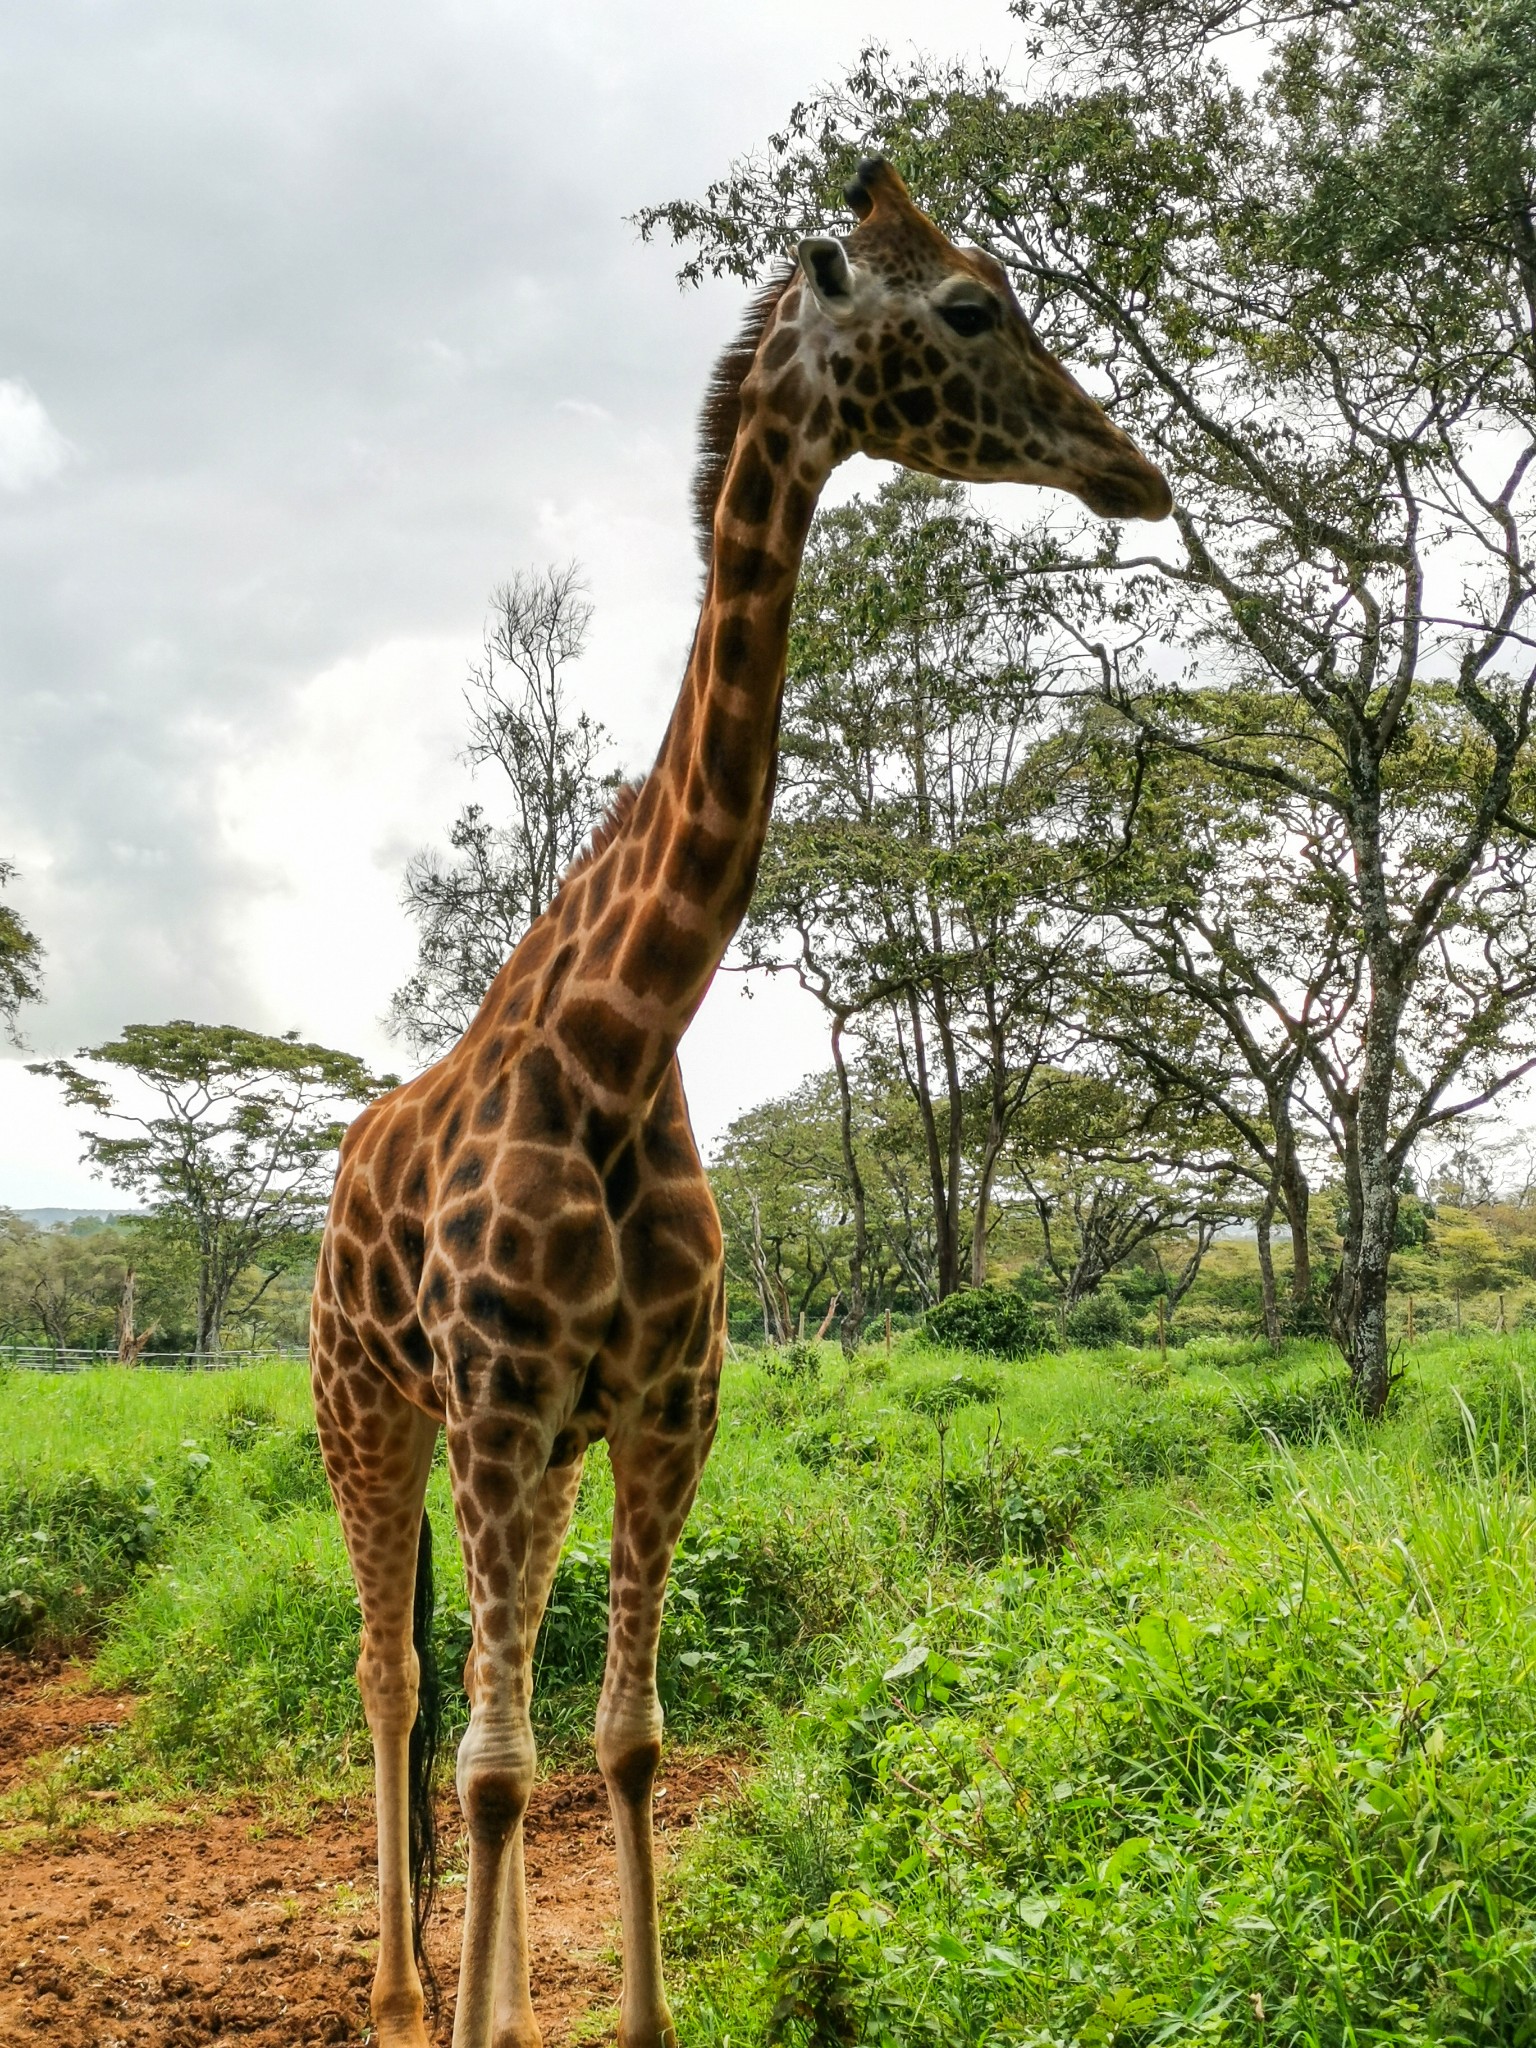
[(318, 321)]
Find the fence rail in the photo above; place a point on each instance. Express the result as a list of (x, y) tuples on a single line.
[(51, 1358)]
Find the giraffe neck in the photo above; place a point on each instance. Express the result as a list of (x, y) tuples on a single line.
[(661, 903)]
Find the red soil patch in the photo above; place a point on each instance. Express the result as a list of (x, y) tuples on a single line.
[(43, 1709), (230, 1927)]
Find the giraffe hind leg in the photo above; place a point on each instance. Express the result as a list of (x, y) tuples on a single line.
[(513, 2023), (378, 1453), (498, 1454), (655, 1477)]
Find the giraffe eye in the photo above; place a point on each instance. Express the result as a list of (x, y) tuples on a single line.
[(968, 317)]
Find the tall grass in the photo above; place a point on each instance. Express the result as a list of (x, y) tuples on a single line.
[(1096, 1704)]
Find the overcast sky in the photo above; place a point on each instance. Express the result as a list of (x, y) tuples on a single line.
[(317, 322)]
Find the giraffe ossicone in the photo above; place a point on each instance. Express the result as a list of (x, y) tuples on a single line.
[(522, 1249)]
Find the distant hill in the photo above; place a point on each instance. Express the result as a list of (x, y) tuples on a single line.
[(49, 1219)]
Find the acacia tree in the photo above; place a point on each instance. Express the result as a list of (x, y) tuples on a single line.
[(231, 1136), (472, 910), (898, 882), (1313, 298), (21, 956)]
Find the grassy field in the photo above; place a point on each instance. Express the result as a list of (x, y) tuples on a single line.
[(1094, 1705)]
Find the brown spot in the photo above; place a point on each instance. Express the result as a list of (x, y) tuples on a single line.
[(729, 754), (663, 957), (604, 1043), (749, 496), (697, 862), (577, 1256), (917, 406), (508, 1316)]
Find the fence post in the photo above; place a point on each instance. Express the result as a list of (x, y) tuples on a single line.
[(1410, 1319), (887, 1336), (1162, 1328)]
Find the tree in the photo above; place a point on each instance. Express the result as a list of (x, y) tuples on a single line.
[(1112, 1174), (1314, 299), (21, 955), (899, 881), (472, 910), (229, 1134)]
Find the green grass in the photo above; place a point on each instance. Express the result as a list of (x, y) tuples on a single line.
[(1095, 1703)]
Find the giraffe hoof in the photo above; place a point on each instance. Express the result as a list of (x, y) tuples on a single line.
[(401, 2030), (662, 2036)]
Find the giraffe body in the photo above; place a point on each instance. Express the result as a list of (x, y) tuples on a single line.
[(522, 1248)]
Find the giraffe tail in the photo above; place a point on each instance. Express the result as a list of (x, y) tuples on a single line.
[(425, 1735)]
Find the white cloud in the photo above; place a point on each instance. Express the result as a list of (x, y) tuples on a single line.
[(31, 447)]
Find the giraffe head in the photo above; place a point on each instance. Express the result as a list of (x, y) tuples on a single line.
[(924, 357)]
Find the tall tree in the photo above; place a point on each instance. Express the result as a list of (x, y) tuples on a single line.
[(1314, 295), (21, 956), (231, 1136), (899, 878), (472, 910)]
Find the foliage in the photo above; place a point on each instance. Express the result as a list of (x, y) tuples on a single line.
[(994, 1321), (1099, 1321), (21, 954)]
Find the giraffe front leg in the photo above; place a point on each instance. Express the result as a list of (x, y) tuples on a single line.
[(378, 1453), (514, 2025), (654, 1482), (497, 1458)]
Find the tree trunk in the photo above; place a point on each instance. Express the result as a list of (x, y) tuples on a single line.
[(991, 1153), (852, 1327), (1267, 1269), (917, 1081), (1291, 1181), (1359, 1309)]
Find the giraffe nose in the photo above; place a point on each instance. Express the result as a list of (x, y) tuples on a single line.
[(1136, 490)]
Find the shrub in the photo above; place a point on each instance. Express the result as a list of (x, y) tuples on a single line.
[(1099, 1321), (1489, 1425), (994, 1321), (285, 1471), (1164, 1440), (68, 1548), (798, 1361), (1301, 1414), (1015, 1504), (936, 1398)]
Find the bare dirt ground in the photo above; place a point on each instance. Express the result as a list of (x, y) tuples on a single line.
[(232, 1927)]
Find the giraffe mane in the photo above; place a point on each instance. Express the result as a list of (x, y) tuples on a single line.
[(720, 415), (606, 830)]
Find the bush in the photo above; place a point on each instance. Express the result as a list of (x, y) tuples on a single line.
[(1099, 1321), (1489, 1425), (1302, 1414), (994, 1321), (285, 1471), (798, 1361), (1015, 1504), (937, 1398), (68, 1548), (1170, 1439)]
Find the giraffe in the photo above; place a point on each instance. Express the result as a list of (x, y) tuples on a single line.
[(522, 1250)]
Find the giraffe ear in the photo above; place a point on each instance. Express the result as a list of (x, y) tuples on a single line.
[(829, 274)]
